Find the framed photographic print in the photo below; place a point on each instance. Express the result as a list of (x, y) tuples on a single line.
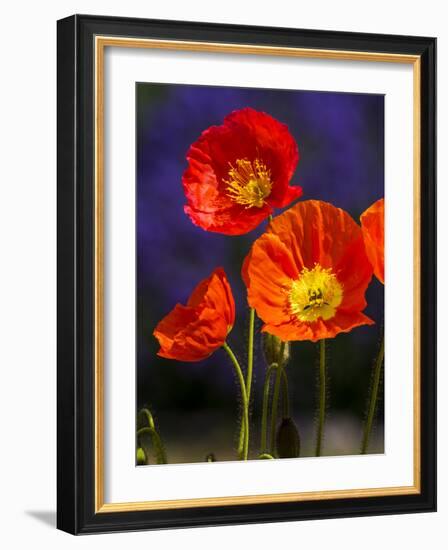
[(246, 274)]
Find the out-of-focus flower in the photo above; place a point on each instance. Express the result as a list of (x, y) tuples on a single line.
[(239, 172), (372, 224), (195, 331), (307, 275)]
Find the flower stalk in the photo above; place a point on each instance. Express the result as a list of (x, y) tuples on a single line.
[(276, 353), (250, 363), (373, 398), (265, 408), (285, 394), (245, 422), (150, 431), (322, 397), (250, 352), (274, 410)]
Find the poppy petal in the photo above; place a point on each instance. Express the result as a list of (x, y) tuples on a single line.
[(372, 224), (267, 273)]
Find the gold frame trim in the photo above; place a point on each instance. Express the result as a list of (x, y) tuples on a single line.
[(101, 42)]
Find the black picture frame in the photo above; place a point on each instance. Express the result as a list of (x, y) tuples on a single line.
[(76, 262)]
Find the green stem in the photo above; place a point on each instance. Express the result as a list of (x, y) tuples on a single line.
[(156, 441), (274, 409), (322, 396), (250, 352), (250, 363), (264, 414), (239, 373), (145, 414), (149, 418), (270, 218), (373, 398), (285, 394), (242, 438), (145, 430), (160, 450)]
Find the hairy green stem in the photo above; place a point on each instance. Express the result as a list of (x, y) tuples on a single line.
[(250, 352), (264, 414), (277, 385), (250, 364), (156, 441), (274, 408), (373, 398), (285, 394), (322, 397), (276, 394), (245, 450), (149, 418)]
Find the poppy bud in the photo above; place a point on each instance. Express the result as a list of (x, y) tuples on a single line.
[(272, 349), (141, 457), (288, 439)]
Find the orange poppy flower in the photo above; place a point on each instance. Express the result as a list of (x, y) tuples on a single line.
[(307, 275), (372, 224), (195, 331), (239, 172)]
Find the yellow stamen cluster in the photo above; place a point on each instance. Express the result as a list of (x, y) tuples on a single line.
[(249, 183), (315, 294)]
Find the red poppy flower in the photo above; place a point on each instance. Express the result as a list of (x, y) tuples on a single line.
[(372, 224), (195, 331), (239, 172), (307, 275)]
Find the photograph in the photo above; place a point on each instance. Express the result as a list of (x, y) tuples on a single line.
[(259, 273)]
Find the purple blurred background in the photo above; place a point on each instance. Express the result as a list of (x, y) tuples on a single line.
[(341, 143)]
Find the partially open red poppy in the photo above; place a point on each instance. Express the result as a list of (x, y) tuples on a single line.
[(195, 331), (239, 172), (372, 224), (307, 275)]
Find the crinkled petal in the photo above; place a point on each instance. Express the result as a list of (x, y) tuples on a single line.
[(244, 134), (317, 330), (193, 332), (309, 233), (267, 272)]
